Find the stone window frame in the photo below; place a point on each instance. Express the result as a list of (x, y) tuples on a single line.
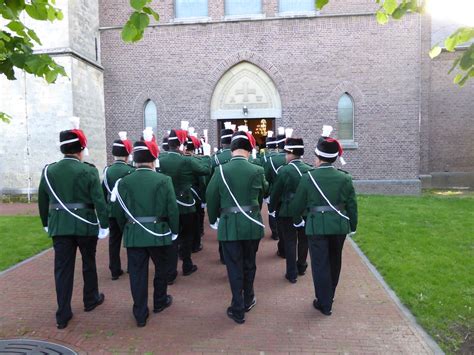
[(190, 19), (155, 126), (348, 143)]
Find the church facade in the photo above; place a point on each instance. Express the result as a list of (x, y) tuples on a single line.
[(271, 63)]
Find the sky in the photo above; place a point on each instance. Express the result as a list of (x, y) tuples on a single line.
[(460, 12)]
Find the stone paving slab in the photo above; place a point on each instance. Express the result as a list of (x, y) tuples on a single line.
[(365, 319)]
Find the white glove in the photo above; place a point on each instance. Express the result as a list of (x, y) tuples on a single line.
[(299, 225), (267, 200), (103, 233), (215, 226), (174, 236), (351, 234), (203, 205), (273, 214), (46, 229)]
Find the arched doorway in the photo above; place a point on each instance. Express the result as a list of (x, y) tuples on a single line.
[(245, 94)]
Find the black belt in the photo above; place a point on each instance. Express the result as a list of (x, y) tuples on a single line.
[(148, 219), (71, 206), (325, 208), (237, 210)]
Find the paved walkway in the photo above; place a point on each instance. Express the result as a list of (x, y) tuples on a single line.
[(365, 319)]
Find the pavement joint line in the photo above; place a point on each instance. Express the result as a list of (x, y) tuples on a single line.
[(402, 308), (11, 268)]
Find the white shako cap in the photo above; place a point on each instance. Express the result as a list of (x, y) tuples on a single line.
[(148, 134), (228, 125), (233, 127), (288, 132), (281, 131), (191, 130), (75, 122), (185, 125), (243, 128), (122, 135), (269, 134)]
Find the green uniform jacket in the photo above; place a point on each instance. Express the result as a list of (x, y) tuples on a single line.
[(182, 170), (220, 158), (247, 183), (274, 161), (339, 190), (73, 182), (112, 173), (285, 185), (147, 193)]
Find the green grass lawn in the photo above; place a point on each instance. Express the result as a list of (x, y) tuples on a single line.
[(424, 248), (20, 238)]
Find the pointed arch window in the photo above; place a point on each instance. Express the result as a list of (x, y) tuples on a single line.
[(150, 115), (345, 117)]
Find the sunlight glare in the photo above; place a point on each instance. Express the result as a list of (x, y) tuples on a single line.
[(460, 12)]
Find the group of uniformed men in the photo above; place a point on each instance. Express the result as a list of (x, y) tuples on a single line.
[(157, 207)]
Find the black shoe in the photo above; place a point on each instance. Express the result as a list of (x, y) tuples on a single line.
[(251, 305), (281, 255), (198, 249), (326, 312), (301, 272), (63, 324), (116, 277), (97, 303), (172, 279), (189, 272), (222, 261), (274, 237), (231, 315), (143, 323), (168, 302), (293, 281)]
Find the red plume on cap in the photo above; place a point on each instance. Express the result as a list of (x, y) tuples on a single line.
[(332, 140), (182, 135), (153, 147), (82, 137), (196, 142), (251, 138)]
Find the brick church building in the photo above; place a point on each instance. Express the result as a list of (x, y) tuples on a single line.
[(267, 63)]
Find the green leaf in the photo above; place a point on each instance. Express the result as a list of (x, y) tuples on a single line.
[(399, 12), (457, 78), (139, 20), (382, 17), (51, 76), (435, 51), (152, 12), (455, 64), (138, 4), (37, 12), (390, 6), (467, 59), (17, 26), (33, 36), (321, 3), (129, 32), (5, 118), (15, 5), (59, 15), (450, 43)]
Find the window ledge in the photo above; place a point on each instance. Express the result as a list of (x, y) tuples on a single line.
[(244, 17), (298, 14), (347, 144), (191, 19)]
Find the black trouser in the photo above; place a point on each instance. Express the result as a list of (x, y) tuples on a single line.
[(281, 239), (173, 262), (138, 260), (64, 261), (221, 253), (294, 240), (326, 256), (240, 258), (115, 242), (187, 228), (200, 227), (273, 226)]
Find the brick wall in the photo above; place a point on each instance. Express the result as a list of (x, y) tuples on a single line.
[(312, 61)]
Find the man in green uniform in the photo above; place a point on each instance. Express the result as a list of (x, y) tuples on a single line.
[(69, 197), (221, 157), (283, 192), (182, 170), (146, 209), (121, 149), (234, 198), (328, 196), (275, 160)]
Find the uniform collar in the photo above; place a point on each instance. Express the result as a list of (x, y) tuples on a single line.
[(325, 166), (119, 162), (238, 157), (296, 161), (175, 153), (71, 158), (150, 169)]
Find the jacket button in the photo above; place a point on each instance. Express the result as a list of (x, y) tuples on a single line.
[(322, 211), (75, 209), (154, 222), (57, 209)]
